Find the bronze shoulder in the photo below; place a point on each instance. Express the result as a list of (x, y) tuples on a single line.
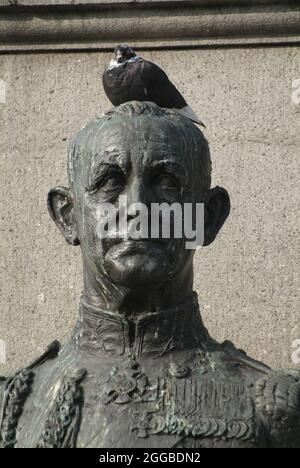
[(277, 400)]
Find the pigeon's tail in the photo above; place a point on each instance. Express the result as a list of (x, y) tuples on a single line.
[(188, 112)]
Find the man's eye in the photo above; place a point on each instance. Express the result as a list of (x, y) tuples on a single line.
[(108, 183), (166, 182), (112, 182)]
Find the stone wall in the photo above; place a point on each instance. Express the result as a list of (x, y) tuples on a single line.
[(242, 82)]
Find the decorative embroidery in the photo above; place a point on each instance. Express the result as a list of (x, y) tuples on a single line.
[(208, 427), (126, 384), (197, 408), (146, 424), (178, 370), (63, 419)]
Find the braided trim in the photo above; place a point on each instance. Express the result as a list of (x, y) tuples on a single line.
[(15, 394), (64, 416)]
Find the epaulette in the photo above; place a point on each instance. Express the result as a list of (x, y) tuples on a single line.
[(17, 388)]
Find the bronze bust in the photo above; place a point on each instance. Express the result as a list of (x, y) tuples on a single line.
[(140, 369)]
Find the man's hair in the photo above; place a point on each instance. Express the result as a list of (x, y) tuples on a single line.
[(195, 144)]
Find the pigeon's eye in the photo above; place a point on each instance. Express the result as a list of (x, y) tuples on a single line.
[(166, 182)]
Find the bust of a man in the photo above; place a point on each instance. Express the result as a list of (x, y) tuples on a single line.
[(140, 369)]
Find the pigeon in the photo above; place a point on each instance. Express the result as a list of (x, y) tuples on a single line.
[(129, 77)]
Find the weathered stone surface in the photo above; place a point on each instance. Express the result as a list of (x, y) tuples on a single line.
[(250, 290), (99, 25), (103, 3)]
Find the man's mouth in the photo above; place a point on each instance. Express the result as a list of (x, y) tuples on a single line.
[(131, 242)]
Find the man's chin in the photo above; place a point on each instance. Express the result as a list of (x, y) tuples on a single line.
[(137, 263)]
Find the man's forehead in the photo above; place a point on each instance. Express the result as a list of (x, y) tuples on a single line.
[(125, 146)]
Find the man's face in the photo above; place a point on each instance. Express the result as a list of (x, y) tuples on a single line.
[(145, 163)]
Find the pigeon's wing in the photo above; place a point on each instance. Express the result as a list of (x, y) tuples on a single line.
[(124, 83), (158, 88)]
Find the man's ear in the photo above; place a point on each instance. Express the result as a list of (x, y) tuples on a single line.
[(61, 209), (217, 209)]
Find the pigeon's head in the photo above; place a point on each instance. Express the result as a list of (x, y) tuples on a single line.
[(123, 52)]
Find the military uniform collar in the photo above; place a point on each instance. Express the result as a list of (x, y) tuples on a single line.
[(153, 334)]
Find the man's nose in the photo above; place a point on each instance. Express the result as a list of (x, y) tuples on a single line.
[(136, 194)]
